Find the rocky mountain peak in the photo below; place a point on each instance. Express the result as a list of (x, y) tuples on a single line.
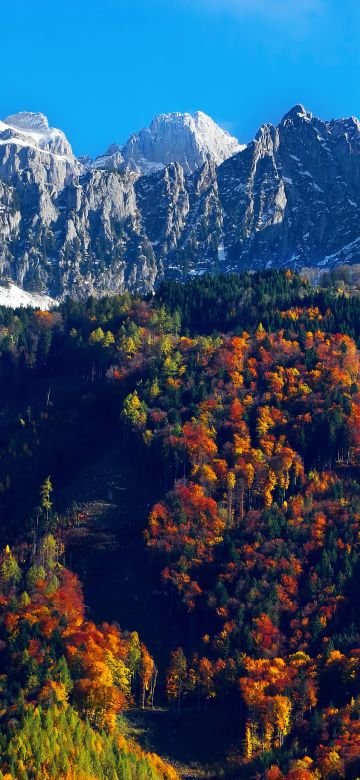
[(32, 130), (181, 197), (188, 139), (296, 113), (113, 149), (350, 127), (28, 121), (30, 148)]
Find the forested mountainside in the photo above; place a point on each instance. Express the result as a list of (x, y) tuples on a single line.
[(178, 199), (240, 395)]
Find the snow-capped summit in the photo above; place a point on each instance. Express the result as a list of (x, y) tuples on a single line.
[(188, 139), (33, 129), (290, 198), (28, 121), (215, 140), (28, 142)]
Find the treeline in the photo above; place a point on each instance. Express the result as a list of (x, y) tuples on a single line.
[(240, 302), (83, 337)]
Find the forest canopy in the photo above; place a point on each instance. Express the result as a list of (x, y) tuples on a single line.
[(244, 390)]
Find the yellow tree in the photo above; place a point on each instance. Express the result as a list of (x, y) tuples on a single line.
[(281, 706), (176, 676), (148, 676)]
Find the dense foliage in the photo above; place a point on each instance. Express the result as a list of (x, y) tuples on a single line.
[(54, 742), (246, 390), (64, 680), (260, 534), (237, 302)]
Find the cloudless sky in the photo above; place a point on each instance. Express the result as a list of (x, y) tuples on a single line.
[(101, 69)]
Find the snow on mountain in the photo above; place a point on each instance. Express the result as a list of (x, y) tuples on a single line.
[(13, 296), (290, 198), (27, 142), (215, 141), (111, 159), (298, 194), (190, 140), (32, 129)]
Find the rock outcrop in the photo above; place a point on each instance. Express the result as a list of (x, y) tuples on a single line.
[(68, 226)]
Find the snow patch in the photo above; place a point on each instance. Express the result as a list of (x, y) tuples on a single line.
[(32, 130), (14, 297), (221, 253)]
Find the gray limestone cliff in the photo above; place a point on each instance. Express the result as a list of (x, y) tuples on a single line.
[(169, 207)]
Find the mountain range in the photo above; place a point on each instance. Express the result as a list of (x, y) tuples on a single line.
[(179, 198)]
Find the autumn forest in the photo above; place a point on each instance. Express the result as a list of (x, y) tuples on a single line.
[(237, 402)]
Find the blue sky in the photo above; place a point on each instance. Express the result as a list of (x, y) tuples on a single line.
[(100, 69)]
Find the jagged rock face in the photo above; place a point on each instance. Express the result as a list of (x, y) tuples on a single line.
[(36, 126), (293, 196), (190, 140), (182, 218), (290, 198), (78, 227), (30, 150), (101, 243)]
